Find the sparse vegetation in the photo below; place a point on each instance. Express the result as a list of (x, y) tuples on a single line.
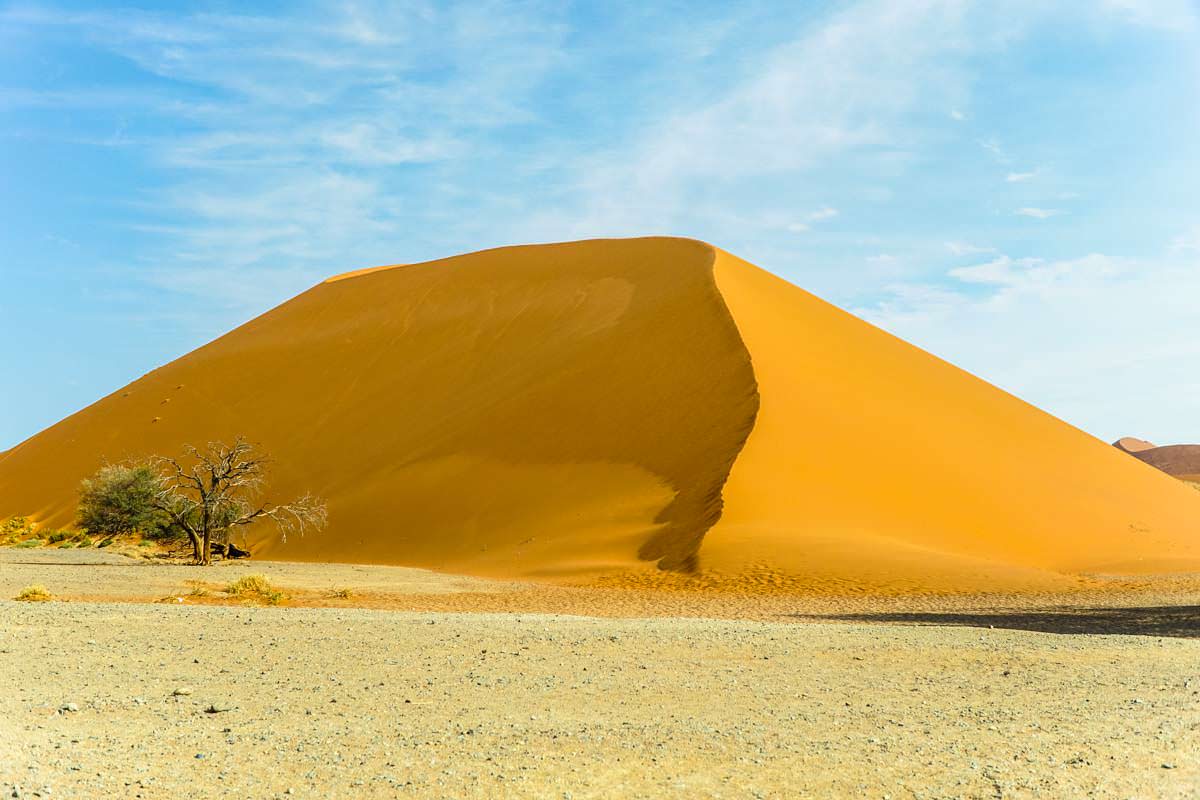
[(255, 588), (54, 537), (343, 593), (15, 529), (203, 497), (119, 498), (34, 594), (28, 543), (198, 590)]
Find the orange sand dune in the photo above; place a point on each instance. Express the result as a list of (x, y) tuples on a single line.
[(1131, 444), (604, 408)]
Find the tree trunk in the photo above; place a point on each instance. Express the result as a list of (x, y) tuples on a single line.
[(195, 548), (206, 533)]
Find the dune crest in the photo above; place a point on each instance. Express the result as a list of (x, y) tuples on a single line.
[(631, 409), (1131, 444)]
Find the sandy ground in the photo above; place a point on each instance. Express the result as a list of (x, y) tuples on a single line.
[(924, 700)]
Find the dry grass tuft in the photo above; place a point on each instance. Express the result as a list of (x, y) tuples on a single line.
[(198, 589), (256, 588), (343, 593), (34, 594)]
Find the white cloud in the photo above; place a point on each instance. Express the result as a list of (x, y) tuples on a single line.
[(1172, 15), (1033, 274), (1082, 338), (820, 215), (957, 115), (1020, 177), (1037, 213), (845, 85), (996, 150), (1187, 242), (966, 249), (288, 137)]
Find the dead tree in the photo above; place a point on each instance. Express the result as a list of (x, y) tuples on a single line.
[(221, 491)]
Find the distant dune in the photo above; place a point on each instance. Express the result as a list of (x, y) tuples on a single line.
[(1131, 444), (628, 410), (1180, 460)]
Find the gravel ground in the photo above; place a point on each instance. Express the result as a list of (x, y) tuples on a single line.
[(172, 701)]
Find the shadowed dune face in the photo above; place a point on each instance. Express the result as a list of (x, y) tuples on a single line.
[(1180, 460), (536, 410)]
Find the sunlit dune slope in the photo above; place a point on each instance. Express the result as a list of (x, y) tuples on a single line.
[(605, 408), (1131, 444), (873, 463), (525, 410)]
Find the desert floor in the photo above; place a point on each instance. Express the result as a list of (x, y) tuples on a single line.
[(443, 686)]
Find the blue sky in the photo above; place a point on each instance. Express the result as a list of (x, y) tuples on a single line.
[(1014, 186)]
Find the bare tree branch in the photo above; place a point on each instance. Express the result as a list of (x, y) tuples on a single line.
[(219, 492)]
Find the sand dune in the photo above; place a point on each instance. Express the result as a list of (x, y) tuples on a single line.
[(1180, 460), (1131, 444), (610, 408)]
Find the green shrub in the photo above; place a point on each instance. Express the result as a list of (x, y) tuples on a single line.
[(54, 537), (29, 543), (14, 529), (119, 498)]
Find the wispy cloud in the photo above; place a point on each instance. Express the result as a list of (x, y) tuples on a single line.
[(1173, 15), (1187, 242), (1037, 213), (820, 215), (843, 88), (1020, 177), (966, 249), (1072, 335), (996, 151), (293, 139)]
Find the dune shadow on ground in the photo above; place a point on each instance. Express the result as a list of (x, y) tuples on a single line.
[(1177, 621)]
